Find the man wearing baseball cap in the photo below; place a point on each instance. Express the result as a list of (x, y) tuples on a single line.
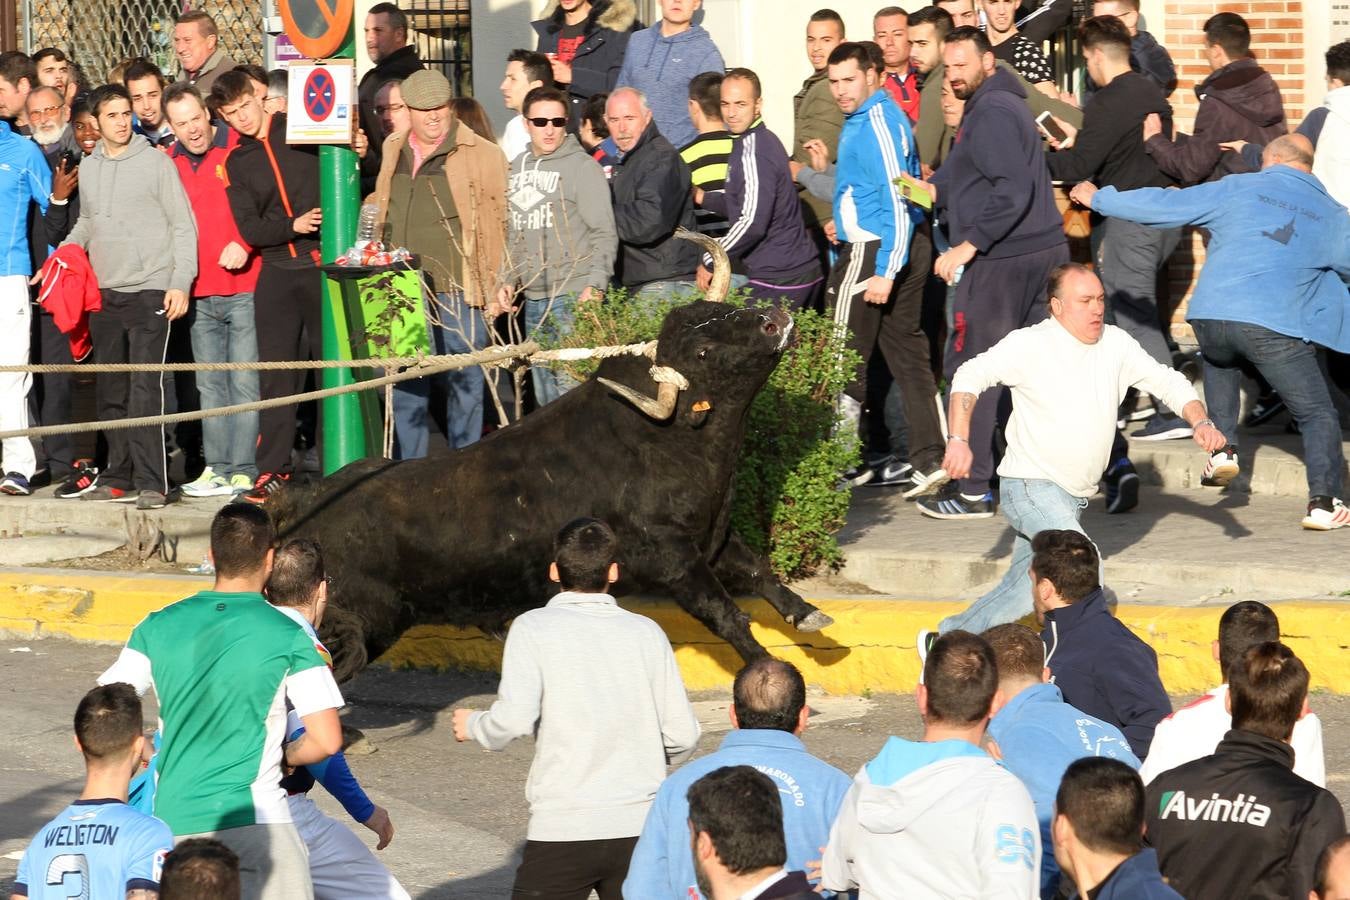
[(442, 194)]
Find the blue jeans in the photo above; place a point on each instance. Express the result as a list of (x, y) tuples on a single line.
[(666, 290), (1031, 506), (454, 327), (223, 330), (552, 319), (1290, 365)]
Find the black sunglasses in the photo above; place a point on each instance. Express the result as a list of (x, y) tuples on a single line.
[(540, 122)]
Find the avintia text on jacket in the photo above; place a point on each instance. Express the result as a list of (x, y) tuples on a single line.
[(1244, 809)]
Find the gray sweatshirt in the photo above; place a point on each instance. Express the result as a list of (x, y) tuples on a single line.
[(135, 222), (561, 223), (602, 686)]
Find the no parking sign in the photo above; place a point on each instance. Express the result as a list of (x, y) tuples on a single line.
[(321, 102)]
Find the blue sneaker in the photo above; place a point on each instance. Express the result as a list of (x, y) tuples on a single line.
[(1163, 428), (1122, 486), (950, 503), (15, 485)]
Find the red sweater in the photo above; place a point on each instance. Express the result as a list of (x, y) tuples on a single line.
[(205, 187)]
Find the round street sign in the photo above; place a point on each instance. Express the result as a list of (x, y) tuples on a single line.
[(320, 95), (318, 28)]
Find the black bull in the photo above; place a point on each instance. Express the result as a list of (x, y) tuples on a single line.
[(466, 539)]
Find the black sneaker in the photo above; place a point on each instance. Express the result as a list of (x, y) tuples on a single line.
[(950, 503), (1266, 408), (83, 480), (890, 472), (1122, 487), (265, 487)]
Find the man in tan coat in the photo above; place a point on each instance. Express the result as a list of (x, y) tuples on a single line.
[(442, 194)]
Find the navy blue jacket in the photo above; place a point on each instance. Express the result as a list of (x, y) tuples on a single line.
[(994, 183), (766, 232), (1103, 669), (1137, 878)]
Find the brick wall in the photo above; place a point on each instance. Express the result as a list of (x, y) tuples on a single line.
[(1278, 45)]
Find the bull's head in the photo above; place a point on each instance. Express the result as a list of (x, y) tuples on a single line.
[(669, 381)]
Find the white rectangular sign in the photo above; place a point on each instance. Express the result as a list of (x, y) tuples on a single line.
[(320, 101)]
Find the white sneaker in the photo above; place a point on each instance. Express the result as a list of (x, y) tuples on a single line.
[(208, 484), (926, 482), (1221, 468), (1326, 514)]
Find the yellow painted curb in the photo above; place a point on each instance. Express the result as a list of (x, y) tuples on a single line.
[(870, 646)]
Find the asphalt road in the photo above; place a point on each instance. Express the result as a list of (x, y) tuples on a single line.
[(459, 811)]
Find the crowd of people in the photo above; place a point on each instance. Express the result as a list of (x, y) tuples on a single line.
[(921, 174), (919, 179), (1049, 765)]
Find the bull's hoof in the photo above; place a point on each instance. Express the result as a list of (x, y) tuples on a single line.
[(815, 621)]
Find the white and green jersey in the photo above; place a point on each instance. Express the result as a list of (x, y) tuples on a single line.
[(223, 667)]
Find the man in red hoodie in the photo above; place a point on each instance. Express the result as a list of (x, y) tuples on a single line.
[(223, 327)]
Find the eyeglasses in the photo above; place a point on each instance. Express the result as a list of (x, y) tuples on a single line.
[(44, 112), (391, 108), (540, 122)]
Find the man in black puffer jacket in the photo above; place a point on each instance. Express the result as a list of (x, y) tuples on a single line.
[(585, 41), (1240, 823)]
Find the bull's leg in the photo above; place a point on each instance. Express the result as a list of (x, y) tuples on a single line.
[(742, 570), (702, 596)]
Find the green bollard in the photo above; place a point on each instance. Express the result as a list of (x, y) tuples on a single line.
[(344, 428)]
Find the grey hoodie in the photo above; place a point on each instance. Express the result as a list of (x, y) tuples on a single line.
[(561, 236), (135, 221)]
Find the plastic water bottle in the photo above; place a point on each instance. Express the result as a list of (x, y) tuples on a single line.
[(365, 226)]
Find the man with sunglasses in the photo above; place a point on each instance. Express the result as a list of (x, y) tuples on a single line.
[(442, 192), (560, 236)]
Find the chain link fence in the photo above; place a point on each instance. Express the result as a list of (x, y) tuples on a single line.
[(99, 34)]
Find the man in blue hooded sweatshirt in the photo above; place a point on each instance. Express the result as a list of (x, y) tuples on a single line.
[(661, 60), (1037, 735), (1272, 287)]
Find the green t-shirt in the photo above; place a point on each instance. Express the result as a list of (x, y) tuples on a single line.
[(223, 667)]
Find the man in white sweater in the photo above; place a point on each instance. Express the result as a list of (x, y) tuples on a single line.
[(601, 685), (1068, 375)]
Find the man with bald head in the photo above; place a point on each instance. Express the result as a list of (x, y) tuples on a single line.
[(768, 715), (1271, 289)]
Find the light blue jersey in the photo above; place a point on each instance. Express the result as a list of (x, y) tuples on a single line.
[(94, 849)]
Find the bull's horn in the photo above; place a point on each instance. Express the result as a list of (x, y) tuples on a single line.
[(721, 277), (659, 408)]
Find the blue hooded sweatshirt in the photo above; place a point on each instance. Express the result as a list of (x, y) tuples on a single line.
[(25, 178), (811, 792), (662, 67), (1278, 251), (1137, 878), (1038, 736), (1105, 670)]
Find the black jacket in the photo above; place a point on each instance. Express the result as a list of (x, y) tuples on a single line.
[(793, 887), (256, 199), (652, 197), (1238, 102), (1109, 150), (600, 55), (1240, 823), (397, 65), (50, 229), (1104, 670), (994, 184)]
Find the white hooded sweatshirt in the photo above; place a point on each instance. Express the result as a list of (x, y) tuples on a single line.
[(1331, 163), (938, 819)]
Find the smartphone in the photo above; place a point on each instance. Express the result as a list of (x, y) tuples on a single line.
[(1050, 128), (69, 160)]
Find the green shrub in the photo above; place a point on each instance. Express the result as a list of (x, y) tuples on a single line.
[(787, 502)]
